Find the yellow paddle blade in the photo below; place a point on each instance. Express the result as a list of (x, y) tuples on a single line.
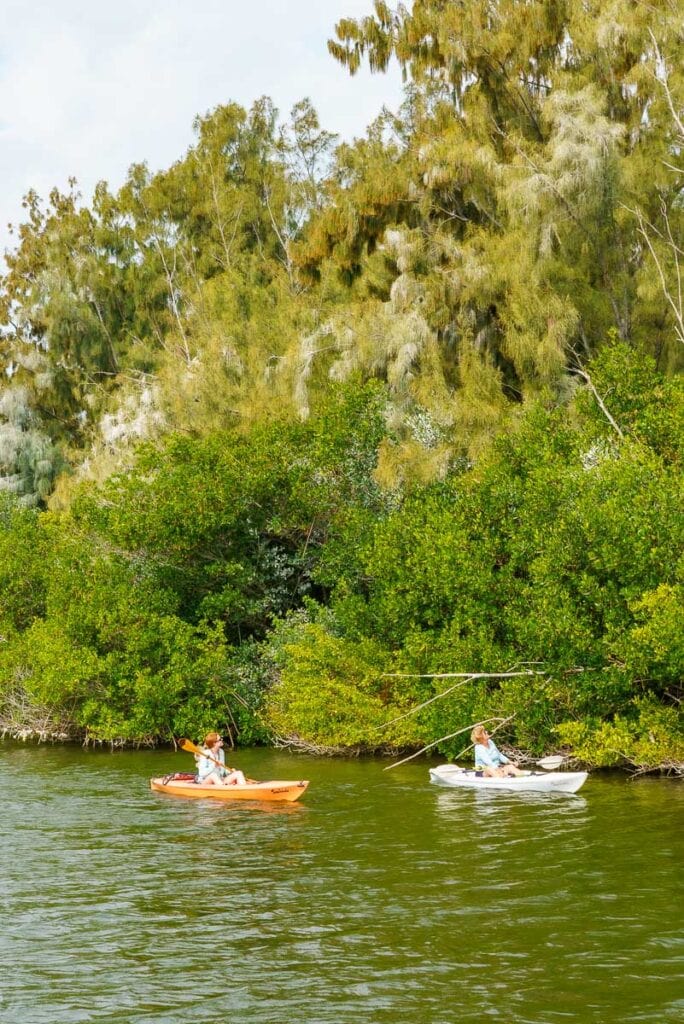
[(190, 747)]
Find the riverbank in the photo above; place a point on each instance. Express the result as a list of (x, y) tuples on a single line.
[(674, 769)]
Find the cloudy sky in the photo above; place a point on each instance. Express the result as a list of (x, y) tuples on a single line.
[(88, 88)]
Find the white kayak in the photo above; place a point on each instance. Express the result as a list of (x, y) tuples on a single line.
[(544, 782)]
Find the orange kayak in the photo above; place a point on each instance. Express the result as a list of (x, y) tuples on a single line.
[(273, 790)]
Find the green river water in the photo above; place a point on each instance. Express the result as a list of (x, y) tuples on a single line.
[(378, 898)]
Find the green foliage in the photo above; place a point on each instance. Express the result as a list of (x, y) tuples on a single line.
[(140, 609), (22, 570), (653, 647), (645, 404), (161, 679), (233, 524), (108, 654), (148, 579), (337, 421), (647, 736), (559, 551), (328, 690)]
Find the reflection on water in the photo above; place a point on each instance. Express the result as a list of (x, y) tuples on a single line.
[(379, 897), (497, 802)]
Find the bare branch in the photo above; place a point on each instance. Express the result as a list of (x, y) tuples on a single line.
[(451, 735), (419, 707), (664, 80), (602, 405), (459, 675), (676, 307)]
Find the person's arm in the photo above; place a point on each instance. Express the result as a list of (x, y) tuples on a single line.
[(496, 753)]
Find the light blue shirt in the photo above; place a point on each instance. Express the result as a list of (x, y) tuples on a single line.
[(489, 756), (207, 767)]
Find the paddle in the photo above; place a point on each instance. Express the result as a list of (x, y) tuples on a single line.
[(192, 748), (549, 763)]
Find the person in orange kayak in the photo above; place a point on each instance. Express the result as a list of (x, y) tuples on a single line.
[(211, 773), (488, 758)]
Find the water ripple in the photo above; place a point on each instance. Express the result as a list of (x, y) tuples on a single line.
[(379, 897)]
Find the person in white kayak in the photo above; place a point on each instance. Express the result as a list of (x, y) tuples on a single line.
[(209, 773), (488, 758)]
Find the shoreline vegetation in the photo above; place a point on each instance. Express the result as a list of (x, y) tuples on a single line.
[(348, 447), (38, 734), (672, 770)]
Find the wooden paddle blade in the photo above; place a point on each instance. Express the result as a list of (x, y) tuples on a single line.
[(192, 748), (189, 746)]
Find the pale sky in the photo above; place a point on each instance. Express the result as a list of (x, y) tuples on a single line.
[(88, 87)]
